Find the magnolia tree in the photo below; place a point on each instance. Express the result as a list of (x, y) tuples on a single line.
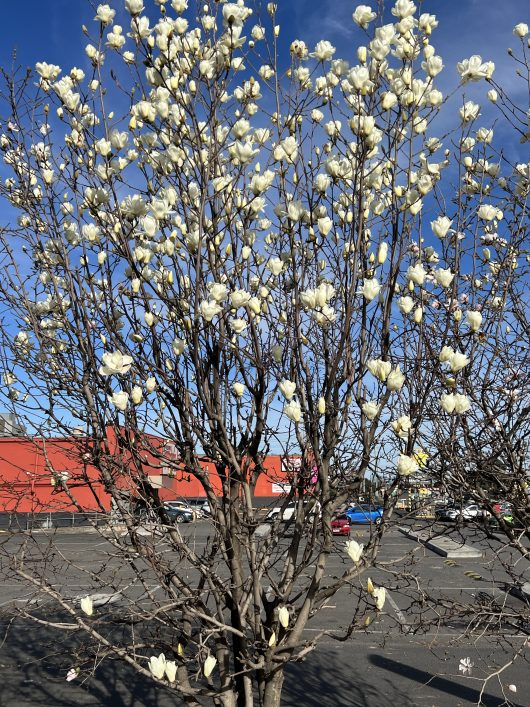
[(240, 252)]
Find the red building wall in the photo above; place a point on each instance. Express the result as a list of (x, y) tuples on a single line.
[(31, 472)]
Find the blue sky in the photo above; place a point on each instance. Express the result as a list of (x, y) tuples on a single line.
[(52, 30)]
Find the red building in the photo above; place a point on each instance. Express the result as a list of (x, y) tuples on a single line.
[(35, 473)]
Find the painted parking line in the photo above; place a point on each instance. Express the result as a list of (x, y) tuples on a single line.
[(400, 615)]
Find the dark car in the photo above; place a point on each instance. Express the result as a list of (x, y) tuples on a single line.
[(178, 515), (364, 513), (341, 525)]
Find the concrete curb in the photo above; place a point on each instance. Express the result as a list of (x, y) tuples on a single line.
[(443, 546)]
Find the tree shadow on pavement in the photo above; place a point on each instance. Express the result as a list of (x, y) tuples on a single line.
[(455, 691), (331, 677), (34, 663)]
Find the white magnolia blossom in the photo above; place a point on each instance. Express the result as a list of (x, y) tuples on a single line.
[(382, 253), (446, 354), (171, 670), (354, 550), (378, 368), (447, 401), (402, 426), (325, 225), (119, 399), (488, 212), (440, 227), (416, 273), (469, 111), (466, 666), (371, 409), (238, 325), (136, 395), (363, 15), (150, 384), (370, 289), (134, 7), (283, 616), (324, 50), (104, 14), (209, 665), (115, 363), (473, 320), (403, 9), (157, 666), (178, 346), (209, 309), (474, 69), (72, 674), (318, 297), (405, 304), (457, 361), (287, 388), (427, 23), (218, 291), (275, 265), (293, 410), (520, 30), (49, 72), (239, 389), (379, 596), (87, 605), (406, 465), (455, 403), (443, 277), (286, 151), (395, 380)]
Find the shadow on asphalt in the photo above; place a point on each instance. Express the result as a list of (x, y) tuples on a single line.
[(35, 660), (334, 680), (460, 692), (34, 663)]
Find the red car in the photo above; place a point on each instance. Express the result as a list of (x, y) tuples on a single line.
[(341, 525)]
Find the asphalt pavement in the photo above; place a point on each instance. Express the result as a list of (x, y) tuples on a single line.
[(395, 661)]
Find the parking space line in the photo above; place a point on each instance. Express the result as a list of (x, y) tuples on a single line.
[(400, 615)]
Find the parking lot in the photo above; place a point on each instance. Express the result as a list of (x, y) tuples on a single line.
[(409, 654)]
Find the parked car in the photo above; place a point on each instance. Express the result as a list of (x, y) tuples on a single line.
[(341, 525), (471, 511), (286, 513), (200, 506), (182, 506), (501, 507), (179, 515), (513, 519), (364, 513)]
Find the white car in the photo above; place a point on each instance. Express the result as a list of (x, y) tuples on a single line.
[(287, 512), (470, 512)]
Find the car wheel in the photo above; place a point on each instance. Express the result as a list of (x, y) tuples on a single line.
[(378, 520), (179, 519)]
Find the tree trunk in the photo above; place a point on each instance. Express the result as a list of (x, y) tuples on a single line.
[(273, 690)]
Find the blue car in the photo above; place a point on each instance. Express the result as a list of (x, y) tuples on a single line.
[(364, 513)]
